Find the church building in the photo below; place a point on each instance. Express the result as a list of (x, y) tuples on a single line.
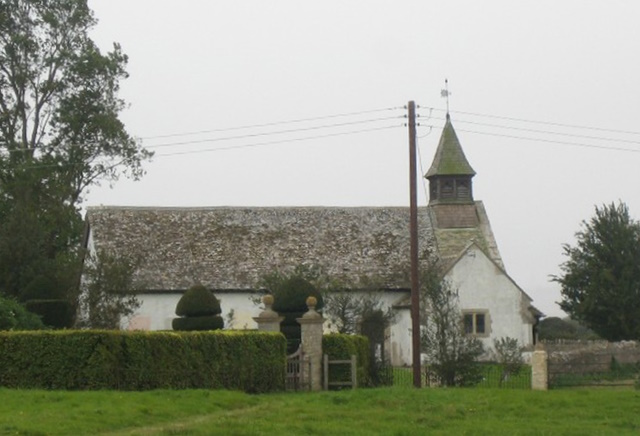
[(229, 249)]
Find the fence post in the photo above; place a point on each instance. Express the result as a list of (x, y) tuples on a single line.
[(326, 372), (354, 375), (539, 369), (311, 335), (268, 320)]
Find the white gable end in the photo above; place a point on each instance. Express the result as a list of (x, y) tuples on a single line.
[(485, 288)]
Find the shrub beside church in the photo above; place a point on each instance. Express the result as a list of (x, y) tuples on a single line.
[(198, 309)]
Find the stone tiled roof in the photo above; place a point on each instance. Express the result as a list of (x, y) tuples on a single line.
[(449, 159), (453, 236), (233, 247)]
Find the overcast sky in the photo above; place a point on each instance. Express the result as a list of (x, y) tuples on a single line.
[(545, 98)]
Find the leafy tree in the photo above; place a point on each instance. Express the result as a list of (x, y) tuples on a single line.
[(60, 133), (108, 292), (363, 314), (346, 309), (600, 281), (13, 316), (450, 353)]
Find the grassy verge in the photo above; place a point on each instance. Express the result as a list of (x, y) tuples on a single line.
[(393, 410)]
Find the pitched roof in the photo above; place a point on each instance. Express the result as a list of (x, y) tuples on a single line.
[(449, 159), (233, 247), (453, 234)]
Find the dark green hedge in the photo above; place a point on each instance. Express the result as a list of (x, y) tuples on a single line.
[(247, 361), (341, 347), (198, 323)]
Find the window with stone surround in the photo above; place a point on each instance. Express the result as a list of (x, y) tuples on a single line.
[(476, 322)]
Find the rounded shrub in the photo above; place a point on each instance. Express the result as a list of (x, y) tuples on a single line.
[(290, 301), (198, 301), (198, 309), (292, 293)]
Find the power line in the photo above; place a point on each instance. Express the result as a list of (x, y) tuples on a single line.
[(253, 135), (232, 147), (574, 144), (282, 141), (523, 120), (546, 132), (275, 123), (277, 132)]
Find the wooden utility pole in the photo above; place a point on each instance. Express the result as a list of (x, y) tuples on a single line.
[(413, 234)]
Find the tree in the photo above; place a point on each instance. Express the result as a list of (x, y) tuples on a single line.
[(346, 309), (109, 291), (600, 281), (450, 353), (363, 314), (60, 133)]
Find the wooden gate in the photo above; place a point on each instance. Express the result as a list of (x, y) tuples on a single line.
[(298, 372), (351, 382)]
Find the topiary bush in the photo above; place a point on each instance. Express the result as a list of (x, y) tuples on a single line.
[(290, 296), (198, 309)]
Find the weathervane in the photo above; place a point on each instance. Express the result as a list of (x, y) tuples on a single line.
[(445, 93)]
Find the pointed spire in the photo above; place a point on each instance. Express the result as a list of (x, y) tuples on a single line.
[(449, 159)]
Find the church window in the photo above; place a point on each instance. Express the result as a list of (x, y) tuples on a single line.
[(476, 323)]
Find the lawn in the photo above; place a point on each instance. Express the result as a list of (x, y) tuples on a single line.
[(396, 411)]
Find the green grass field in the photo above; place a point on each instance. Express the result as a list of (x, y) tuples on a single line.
[(392, 411)]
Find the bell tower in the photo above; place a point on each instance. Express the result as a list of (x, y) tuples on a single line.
[(450, 173)]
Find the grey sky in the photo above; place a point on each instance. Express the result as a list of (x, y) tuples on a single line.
[(206, 65)]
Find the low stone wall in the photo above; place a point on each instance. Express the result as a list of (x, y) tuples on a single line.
[(572, 356)]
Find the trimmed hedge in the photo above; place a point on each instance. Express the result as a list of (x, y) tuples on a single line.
[(247, 361), (198, 323), (341, 347)]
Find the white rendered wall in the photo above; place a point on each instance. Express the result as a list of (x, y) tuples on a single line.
[(482, 285), (158, 310)]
